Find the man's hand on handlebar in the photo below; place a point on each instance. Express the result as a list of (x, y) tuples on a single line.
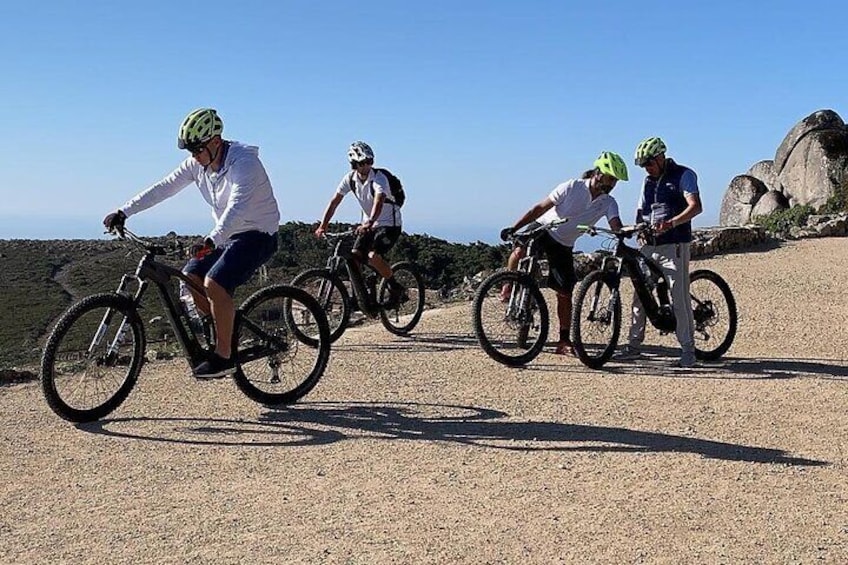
[(114, 221), (507, 233), (202, 248)]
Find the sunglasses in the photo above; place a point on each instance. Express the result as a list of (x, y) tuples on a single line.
[(356, 164), (648, 162), (197, 148)]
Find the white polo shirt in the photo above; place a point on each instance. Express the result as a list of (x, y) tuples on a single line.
[(390, 214), (573, 200), (240, 193)]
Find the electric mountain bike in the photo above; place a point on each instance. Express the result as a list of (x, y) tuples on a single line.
[(399, 314), (514, 331), (596, 315), (94, 355)]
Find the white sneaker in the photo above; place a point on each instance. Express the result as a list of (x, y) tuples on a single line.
[(628, 352)]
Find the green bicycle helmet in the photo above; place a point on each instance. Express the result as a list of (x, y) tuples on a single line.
[(198, 127), (648, 149), (612, 164)]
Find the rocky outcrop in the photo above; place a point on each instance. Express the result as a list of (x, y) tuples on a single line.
[(817, 168), (739, 200), (810, 167), (824, 225), (770, 202), (820, 120), (764, 172)]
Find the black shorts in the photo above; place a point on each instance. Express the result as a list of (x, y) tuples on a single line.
[(379, 240), (561, 275)]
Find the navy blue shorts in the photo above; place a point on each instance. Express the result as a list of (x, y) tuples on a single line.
[(234, 263)]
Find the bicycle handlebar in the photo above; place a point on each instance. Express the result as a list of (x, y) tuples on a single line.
[(340, 234), (527, 235), (624, 233), (125, 234)]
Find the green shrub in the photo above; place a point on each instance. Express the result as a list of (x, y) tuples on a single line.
[(780, 221)]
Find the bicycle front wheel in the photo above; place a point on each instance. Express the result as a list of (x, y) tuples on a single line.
[(276, 364), (512, 332), (595, 320), (92, 358), (714, 310), (332, 296), (402, 315)]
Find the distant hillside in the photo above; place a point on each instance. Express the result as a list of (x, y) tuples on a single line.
[(39, 279)]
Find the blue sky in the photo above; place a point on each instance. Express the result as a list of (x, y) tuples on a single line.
[(481, 107)]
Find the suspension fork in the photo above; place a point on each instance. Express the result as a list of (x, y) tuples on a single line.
[(520, 295), (614, 281), (118, 340)]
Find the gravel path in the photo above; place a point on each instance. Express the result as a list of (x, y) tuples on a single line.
[(423, 450)]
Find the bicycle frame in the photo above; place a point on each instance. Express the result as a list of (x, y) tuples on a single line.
[(657, 308), (151, 271), (365, 296)]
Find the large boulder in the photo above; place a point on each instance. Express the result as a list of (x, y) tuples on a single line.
[(739, 200), (764, 171), (770, 202), (820, 120), (817, 167)]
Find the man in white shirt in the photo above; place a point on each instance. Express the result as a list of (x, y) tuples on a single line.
[(381, 217), (580, 201), (233, 181)]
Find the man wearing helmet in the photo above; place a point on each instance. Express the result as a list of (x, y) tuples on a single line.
[(669, 201), (580, 201), (233, 181), (381, 218)]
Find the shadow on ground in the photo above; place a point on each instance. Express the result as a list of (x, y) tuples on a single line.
[(322, 423)]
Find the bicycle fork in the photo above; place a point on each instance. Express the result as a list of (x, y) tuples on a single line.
[(120, 335)]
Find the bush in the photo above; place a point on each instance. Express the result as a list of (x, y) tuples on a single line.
[(780, 221)]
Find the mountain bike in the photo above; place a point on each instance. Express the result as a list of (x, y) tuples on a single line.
[(93, 356), (596, 316), (371, 291), (513, 332)]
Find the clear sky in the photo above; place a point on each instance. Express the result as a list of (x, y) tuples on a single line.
[(481, 107)]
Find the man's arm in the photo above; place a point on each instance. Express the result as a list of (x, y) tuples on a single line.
[(328, 213)]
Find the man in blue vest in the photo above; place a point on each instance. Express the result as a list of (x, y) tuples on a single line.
[(669, 201)]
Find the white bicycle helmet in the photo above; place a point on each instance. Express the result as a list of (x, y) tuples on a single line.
[(359, 151)]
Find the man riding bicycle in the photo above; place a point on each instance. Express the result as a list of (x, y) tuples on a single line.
[(233, 181), (381, 217), (580, 201)]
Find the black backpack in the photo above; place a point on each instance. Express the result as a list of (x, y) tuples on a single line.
[(395, 187)]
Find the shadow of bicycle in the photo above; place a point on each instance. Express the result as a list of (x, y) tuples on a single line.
[(322, 423)]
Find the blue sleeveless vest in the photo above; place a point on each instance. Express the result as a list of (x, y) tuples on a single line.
[(666, 189)]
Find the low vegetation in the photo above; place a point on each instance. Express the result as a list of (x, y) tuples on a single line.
[(40, 279)]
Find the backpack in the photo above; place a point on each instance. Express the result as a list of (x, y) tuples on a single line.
[(398, 196)]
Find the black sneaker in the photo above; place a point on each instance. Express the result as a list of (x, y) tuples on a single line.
[(214, 368)]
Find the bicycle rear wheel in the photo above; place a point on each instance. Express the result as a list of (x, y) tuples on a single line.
[(595, 320), (714, 310), (92, 358), (512, 332), (401, 316), (276, 363), (332, 296)]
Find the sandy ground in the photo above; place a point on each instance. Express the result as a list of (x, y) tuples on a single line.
[(423, 450)]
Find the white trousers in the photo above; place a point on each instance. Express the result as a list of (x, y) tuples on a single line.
[(674, 260)]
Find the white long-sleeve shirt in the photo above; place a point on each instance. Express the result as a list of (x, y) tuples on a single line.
[(240, 193)]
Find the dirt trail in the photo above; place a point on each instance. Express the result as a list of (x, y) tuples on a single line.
[(423, 450)]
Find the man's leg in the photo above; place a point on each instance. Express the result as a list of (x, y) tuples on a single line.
[(223, 312), (511, 265), (564, 346), (682, 302)]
